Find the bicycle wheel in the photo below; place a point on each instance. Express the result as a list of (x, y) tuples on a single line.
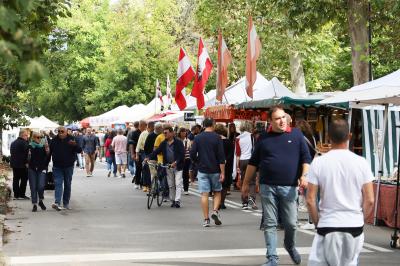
[(152, 193), (160, 193)]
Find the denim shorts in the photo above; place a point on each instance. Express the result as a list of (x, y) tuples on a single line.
[(208, 182)]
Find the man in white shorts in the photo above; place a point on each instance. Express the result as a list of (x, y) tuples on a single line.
[(345, 183), (119, 143)]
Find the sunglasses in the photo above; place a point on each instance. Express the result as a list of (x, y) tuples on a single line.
[(61, 131)]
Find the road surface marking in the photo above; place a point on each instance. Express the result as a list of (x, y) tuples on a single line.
[(258, 213), (140, 256)]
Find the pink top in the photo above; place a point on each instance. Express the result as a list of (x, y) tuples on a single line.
[(120, 143)]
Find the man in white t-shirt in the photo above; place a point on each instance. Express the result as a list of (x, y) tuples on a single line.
[(344, 180), (119, 144)]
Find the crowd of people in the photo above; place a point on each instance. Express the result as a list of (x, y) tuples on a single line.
[(273, 163)]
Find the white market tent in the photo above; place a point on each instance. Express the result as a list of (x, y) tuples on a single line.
[(134, 113), (35, 124), (382, 91), (262, 89), (41, 123), (209, 100), (108, 117)]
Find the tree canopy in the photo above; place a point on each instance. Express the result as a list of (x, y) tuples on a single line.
[(72, 59)]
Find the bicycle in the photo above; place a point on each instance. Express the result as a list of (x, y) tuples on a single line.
[(156, 190)]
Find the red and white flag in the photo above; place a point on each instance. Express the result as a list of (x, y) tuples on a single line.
[(169, 98), (224, 59), (158, 92), (204, 67), (253, 52), (185, 75)]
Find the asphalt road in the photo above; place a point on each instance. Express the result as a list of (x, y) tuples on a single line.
[(109, 224)]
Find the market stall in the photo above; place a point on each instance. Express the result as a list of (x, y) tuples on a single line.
[(383, 91)]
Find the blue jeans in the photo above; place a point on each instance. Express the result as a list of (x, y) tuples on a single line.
[(208, 182), (282, 200), (131, 164), (111, 165), (62, 176), (37, 180)]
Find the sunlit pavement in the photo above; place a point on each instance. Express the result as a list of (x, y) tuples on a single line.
[(109, 224)]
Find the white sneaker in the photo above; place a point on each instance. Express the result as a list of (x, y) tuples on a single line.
[(137, 187), (186, 192), (307, 226)]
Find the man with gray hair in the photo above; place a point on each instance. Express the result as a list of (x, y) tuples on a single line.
[(63, 150), (120, 144)]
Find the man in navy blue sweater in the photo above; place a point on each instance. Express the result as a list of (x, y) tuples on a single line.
[(282, 158), (63, 149), (208, 153)]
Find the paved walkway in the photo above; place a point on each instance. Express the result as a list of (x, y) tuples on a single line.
[(109, 224)]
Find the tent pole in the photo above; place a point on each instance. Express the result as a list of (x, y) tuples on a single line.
[(380, 172), (349, 122)]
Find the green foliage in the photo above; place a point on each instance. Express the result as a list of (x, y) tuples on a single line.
[(322, 51), (24, 29), (107, 55)]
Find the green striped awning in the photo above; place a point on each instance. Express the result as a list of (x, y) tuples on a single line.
[(373, 135)]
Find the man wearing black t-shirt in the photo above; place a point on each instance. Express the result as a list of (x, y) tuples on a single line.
[(132, 147)]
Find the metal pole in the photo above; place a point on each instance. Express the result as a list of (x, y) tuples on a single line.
[(380, 173), (351, 127)]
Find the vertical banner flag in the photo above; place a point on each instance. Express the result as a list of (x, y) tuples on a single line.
[(169, 98), (253, 52), (204, 67), (224, 59), (159, 94), (185, 75)]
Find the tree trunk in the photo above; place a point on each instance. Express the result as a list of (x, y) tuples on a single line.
[(296, 67), (297, 73), (357, 15)]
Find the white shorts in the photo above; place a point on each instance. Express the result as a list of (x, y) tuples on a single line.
[(121, 158), (336, 248)]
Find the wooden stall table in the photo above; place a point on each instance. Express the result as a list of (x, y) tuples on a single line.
[(386, 205)]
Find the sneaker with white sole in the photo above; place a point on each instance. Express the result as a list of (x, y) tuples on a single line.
[(56, 207), (217, 219), (206, 222)]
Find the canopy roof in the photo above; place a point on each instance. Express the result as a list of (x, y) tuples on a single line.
[(263, 89), (285, 101), (385, 90), (41, 122)]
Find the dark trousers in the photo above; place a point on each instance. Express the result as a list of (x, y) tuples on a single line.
[(146, 178), (20, 179), (185, 174), (138, 173)]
